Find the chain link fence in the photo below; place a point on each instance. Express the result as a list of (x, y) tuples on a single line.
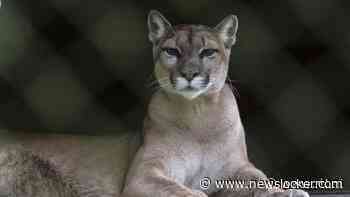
[(72, 66)]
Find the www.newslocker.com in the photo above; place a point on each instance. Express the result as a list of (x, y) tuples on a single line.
[(271, 183)]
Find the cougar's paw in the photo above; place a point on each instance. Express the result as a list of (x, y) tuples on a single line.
[(190, 193), (198, 193), (298, 193), (291, 193)]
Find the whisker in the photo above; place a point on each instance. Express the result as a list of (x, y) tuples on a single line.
[(231, 80), (234, 89), (150, 77), (162, 83), (156, 82)]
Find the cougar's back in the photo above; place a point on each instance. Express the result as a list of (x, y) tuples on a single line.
[(64, 165)]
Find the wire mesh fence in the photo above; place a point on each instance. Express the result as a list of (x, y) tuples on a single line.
[(83, 67)]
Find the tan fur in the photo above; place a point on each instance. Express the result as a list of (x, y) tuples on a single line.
[(189, 138), (38, 165)]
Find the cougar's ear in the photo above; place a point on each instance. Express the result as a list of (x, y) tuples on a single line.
[(158, 26), (227, 30)]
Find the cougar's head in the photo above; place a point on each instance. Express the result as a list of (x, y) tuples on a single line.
[(191, 60)]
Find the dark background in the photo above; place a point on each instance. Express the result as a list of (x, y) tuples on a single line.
[(83, 67)]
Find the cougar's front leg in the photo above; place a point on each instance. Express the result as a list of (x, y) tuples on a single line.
[(249, 173), (157, 176)]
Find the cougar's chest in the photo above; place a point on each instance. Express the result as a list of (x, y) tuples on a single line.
[(218, 137), (213, 159)]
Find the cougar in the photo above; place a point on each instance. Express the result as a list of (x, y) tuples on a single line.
[(192, 131)]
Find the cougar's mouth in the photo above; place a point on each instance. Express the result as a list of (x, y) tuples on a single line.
[(190, 89)]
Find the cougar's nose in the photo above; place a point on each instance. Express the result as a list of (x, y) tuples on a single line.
[(189, 74)]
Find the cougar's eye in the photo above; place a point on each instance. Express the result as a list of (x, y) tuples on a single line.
[(172, 52), (207, 52)]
